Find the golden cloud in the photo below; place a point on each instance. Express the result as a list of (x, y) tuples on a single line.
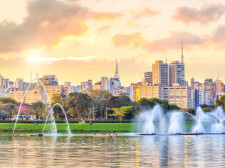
[(132, 40)]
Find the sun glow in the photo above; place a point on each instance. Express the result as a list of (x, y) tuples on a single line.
[(36, 59)]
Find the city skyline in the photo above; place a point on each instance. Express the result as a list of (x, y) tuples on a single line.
[(93, 37)]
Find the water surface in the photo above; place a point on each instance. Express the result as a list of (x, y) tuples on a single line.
[(127, 151)]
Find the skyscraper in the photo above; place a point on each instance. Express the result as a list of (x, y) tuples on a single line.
[(177, 71), (19, 84), (148, 77), (117, 71), (208, 84), (104, 83), (160, 73), (114, 83), (50, 80)]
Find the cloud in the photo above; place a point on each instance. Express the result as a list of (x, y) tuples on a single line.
[(104, 28), (203, 16), (219, 34), (136, 40), (37, 59), (145, 12), (46, 23), (132, 40), (82, 58), (103, 16), (175, 40)]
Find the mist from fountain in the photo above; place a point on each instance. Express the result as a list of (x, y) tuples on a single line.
[(176, 123), (156, 121), (153, 117), (18, 113), (50, 111), (51, 114), (219, 115)]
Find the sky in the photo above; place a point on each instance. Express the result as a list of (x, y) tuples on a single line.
[(79, 40)]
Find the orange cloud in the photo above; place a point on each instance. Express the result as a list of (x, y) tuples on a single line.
[(103, 16), (172, 42), (46, 23), (136, 40), (144, 12), (128, 40), (203, 16)]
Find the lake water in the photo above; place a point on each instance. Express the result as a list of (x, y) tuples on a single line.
[(122, 151)]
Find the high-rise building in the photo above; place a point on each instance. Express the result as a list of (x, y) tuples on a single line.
[(114, 83), (85, 85), (105, 83), (208, 83), (6, 83), (160, 73), (148, 77), (50, 80), (97, 86), (145, 90), (67, 84), (67, 88), (192, 83), (19, 84), (53, 91), (176, 73), (32, 96), (2, 91), (218, 89), (1, 80), (178, 95)]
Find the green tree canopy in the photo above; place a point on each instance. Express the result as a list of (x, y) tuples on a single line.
[(5, 100), (145, 103), (78, 105), (221, 102), (120, 112), (38, 109)]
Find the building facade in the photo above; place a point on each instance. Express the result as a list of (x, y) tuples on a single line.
[(160, 73), (176, 73)]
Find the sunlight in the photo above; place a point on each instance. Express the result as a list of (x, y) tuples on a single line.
[(34, 58)]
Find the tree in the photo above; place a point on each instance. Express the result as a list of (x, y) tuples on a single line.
[(38, 109), (9, 102), (5, 100), (59, 98), (124, 100), (100, 101), (190, 110), (221, 102), (207, 109), (145, 103), (77, 105), (120, 112)]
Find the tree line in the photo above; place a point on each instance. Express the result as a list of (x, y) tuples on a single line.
[(94, 105)]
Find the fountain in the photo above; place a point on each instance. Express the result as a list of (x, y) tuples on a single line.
[(156, 121), (50, 110), (150, 117), (54, 132)]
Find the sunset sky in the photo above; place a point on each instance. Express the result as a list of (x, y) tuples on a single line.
[(81, 39)]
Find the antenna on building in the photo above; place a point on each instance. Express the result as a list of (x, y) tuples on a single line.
[(31, 74), (182, 54), (218, 76), (117, 71), (166, 59)]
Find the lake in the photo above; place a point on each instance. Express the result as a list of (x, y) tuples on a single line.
[(121, 151)]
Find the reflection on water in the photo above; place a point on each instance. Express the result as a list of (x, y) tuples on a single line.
[(142, 151)]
